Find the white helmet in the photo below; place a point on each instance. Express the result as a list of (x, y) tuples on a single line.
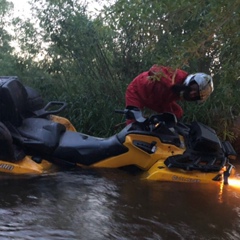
[(205, 84)]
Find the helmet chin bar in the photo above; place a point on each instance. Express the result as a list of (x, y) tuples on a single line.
[(186, 94)]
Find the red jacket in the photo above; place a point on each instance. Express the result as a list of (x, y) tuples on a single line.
[(156, 95)]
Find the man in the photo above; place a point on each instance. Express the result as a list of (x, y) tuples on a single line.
[(159, 88)]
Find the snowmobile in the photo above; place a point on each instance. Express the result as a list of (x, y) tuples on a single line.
[(161, 147)]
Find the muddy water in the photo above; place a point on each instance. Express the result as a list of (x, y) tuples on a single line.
[(115, 205)]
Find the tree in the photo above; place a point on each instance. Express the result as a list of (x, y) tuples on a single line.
[(89, 62), (193, 35), (76, 64), (7, 60)]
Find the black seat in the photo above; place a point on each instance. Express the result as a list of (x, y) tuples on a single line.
[(14, 103), (28, 125), (8, 152), (38, 134), (13, 100)]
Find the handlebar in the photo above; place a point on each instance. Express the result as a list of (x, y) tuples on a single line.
[(134, 113)]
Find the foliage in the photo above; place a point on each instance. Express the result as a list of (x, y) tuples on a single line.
[(6, 58), (88, 61), (193, 35), (75, 66)]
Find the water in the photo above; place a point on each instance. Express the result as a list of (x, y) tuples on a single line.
[(111, 204)]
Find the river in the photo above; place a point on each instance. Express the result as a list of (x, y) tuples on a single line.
[(112, 204)]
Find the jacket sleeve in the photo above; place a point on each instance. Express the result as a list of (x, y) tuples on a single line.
[(177, 110)]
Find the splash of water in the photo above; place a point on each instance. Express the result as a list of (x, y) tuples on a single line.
[(234, 182)]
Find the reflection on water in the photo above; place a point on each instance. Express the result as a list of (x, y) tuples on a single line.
[(111, 204), (234, 182)]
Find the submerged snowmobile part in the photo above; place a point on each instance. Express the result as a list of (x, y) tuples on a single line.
[(227, 173), (161, 148)]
